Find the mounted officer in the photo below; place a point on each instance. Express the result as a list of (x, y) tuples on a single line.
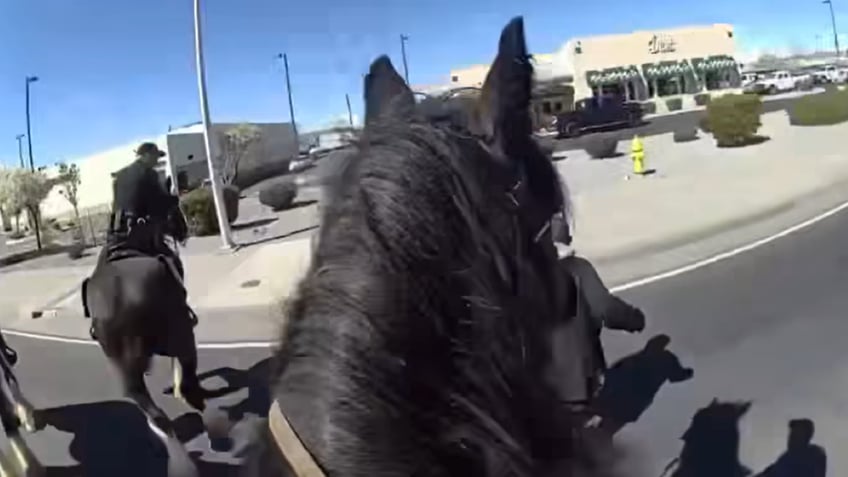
[(140, 211)]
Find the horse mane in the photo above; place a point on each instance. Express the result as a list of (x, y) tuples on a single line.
[(406, 351)]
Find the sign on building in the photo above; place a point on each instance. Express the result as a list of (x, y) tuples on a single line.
[(661, 44)]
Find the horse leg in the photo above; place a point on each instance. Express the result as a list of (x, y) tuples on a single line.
[(186, 383), (132, 369), (27, 463)]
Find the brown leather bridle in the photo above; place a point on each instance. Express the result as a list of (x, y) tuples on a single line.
[(292, 448)]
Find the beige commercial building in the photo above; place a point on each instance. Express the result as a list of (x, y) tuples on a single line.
[(640, 66)]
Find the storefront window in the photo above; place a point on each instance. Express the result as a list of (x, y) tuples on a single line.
[(669, 86), (717, 79)]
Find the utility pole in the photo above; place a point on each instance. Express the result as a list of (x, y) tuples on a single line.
[(403, 40), (217, 194), (20, 149), (829, 3), (34, 214), (285, 58), (349, 113)]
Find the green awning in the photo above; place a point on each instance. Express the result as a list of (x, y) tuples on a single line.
[(611, 75), (664, 69), (713, 63)]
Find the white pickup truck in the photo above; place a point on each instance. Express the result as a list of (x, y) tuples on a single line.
[(831, 74), (777, 82)]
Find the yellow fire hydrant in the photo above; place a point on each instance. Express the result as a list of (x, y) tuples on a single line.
[(637, 154)]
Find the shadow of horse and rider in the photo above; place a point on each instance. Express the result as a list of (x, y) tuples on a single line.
[(113, 438)]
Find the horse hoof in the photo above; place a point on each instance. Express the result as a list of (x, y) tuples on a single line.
[(25, 415)]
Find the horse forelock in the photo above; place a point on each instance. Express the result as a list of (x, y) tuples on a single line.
[(405, 308)]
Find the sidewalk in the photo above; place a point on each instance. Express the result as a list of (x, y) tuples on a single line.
[(698, 191)]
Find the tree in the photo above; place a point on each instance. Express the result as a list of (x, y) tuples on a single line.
[(69, 180), (9, 203), (22, 189), (235, 144)]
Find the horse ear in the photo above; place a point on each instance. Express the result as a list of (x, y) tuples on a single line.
[(714, 402), (505, 97), (386, 94), (742, 408)]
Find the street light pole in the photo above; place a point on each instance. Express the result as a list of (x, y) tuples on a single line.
[(349, 112), (20, 149), (217, 196), (35, 215), (403, 40), (829, 3), (29, 79), (285, 58)]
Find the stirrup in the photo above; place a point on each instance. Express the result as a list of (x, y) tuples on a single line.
[(192, 316)]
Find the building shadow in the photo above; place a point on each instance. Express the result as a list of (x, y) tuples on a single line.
[(632, 383), (802, 457)]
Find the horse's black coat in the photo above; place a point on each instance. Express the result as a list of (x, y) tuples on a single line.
[(415, 344)]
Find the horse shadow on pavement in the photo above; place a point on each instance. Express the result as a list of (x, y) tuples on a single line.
[(112, 438), (632, 383), (711, 447)]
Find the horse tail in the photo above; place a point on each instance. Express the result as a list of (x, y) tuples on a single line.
[(84, 293)]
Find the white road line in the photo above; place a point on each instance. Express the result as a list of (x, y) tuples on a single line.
[(732, 253), (627, 286)]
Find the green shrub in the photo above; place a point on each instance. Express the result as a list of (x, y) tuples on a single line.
[(830, 107), (674, 104), (685, 135), (649, 107), (734, 119), (704, 124), (199, 209), (602, 147), (702, 99), (279, 195)]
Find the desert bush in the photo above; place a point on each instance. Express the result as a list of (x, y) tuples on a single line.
[(734, 119), (702, 99), (685, 135), (278, 195), (830, 107), (602, 147), (649, 107), (674, 104), (199, 209), (704, 124), (76, 250)]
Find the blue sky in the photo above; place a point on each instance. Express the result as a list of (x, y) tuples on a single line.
[(112, 71)]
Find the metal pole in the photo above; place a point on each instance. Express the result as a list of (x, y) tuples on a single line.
[(349, 113), (34, 214), (220, 212), (29, 79), (403, 39), (833, 22), (291, 103), (20, 149)]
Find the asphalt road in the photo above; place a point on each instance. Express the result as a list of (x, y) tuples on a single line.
[(767, 325)]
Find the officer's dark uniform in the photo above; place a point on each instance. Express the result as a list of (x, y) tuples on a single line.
[(140, 210)]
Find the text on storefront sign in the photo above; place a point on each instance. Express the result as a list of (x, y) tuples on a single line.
[(661, 44)]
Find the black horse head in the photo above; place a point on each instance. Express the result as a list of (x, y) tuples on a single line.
[(416, 342)]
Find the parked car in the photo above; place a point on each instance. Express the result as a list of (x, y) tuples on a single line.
[(777, 82), (598, 112), (831, 74)]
